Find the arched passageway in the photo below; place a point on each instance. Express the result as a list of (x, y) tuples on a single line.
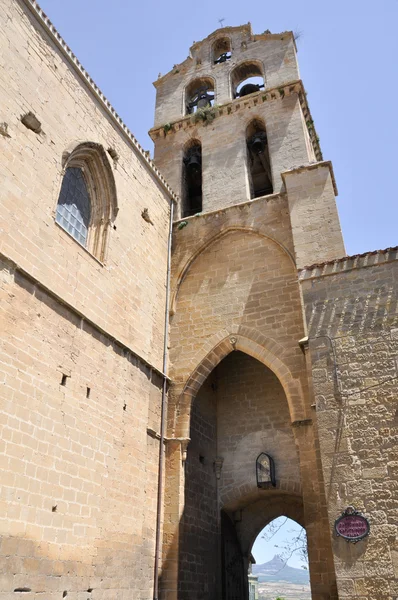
[(280, 567), (240, 411), (214, 507)]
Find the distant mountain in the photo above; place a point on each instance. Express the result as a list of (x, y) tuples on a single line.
[(276, 570)]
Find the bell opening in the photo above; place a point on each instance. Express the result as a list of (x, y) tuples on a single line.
[(259, 166), (199, 95), (221, 50), (247, 78), (192, 180)]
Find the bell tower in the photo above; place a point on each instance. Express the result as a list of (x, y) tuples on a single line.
[(232, 124), (235, 139)]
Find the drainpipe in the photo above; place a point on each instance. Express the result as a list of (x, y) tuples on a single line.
[(163, 413)]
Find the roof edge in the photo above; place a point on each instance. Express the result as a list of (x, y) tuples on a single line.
[(373, 258), (49, 28)]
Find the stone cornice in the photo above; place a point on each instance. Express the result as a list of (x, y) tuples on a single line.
[(349, 263), (310, 167), (49, 28), (249, 101), (225, 209)]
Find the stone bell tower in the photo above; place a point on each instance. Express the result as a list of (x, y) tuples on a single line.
[(232, 123), (235, 139)]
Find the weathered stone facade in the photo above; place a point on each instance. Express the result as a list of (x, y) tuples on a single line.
[(82, 340), (351, 308), (263, 354)]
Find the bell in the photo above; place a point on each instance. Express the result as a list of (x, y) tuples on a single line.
[(257, 143), (249, 88), (203, 101), (193, 163)]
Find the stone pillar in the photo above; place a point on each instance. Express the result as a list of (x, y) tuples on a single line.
[(176, 449), (320, 557), (311, 192)]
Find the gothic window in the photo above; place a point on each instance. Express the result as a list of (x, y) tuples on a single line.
[(258, 159), (221, 50), (199, 94), (87, 202), (74, 206), (247, 78), (192, 179)]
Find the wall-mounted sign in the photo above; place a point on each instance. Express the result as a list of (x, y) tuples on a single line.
[(352, 525)]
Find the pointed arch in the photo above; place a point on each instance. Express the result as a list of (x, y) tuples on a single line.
[(89, 162), (265, 350), (207, 244)]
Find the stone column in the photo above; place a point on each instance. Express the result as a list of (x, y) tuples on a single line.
[(176, 449)]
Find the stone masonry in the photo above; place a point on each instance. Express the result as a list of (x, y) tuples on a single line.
[(275, 341)]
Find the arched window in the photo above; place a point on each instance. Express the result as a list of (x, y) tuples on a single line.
[(247, 78), (221, 51), (192, 179), (87, 202), (199, 94), (259, 166), (74, 205)]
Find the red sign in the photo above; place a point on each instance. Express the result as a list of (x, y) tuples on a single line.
[(352, 526)]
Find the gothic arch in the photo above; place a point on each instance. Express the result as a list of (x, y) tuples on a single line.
[(265, 350), (264, 511), (91, 160), (186, 267)]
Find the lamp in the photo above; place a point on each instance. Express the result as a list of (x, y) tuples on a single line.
[(265, 471)]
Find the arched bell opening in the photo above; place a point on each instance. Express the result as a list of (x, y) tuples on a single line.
[(192, 179), (259, 165), (199, 94), (247, 78), (221, 50), (278, 561)]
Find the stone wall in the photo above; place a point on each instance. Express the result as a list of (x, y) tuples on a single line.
[(79, 472), (253, 417), (39, 78), (351, 308), (82, 340), (199, 525)]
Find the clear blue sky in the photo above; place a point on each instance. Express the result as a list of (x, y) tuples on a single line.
[(264, 551), (348, 61)]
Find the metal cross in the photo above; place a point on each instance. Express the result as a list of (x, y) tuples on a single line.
[(221, 21)]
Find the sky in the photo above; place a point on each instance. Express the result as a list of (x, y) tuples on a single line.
[(347, 53), (265, 547)]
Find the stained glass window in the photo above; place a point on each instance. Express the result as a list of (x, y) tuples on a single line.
[(74, 207)]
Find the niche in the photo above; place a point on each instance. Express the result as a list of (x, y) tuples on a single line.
[(221, 51), (199, 94), (247, 78), (192, 179), (259, 166)]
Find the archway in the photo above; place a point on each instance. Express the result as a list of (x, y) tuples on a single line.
[(279, 566), (239, 411)]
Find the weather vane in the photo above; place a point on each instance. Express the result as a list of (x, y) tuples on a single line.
[(221, 21)]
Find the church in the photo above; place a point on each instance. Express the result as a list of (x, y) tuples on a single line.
[(187, 352)]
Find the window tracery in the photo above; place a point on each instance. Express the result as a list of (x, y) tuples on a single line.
[(87, 202)]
